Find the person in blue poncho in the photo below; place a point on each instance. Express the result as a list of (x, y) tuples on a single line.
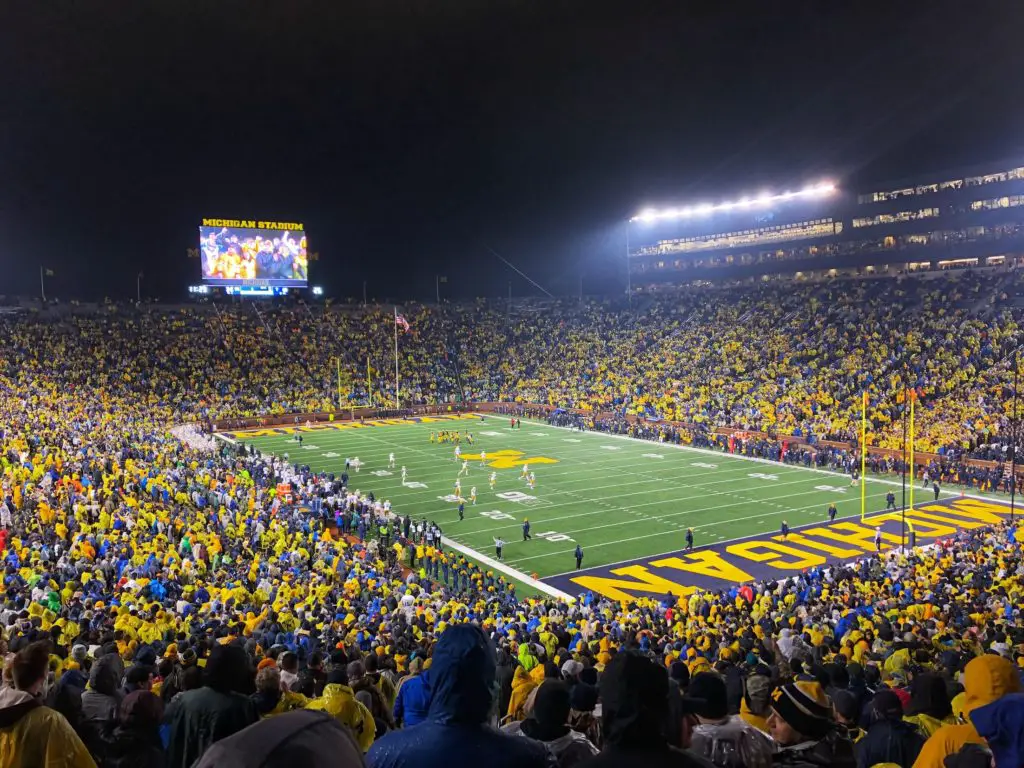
[(461, 689)]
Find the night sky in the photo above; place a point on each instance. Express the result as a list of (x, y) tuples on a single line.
[(412, 137)]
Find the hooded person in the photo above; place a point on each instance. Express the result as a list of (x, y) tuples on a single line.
[(636, 712), (547, 724), (461, 686), (135, 742), (199, 717), (755, 706), (929, 707), (522, 686), (889, 738), (32, 735), (986, 679), (1001, 724), (100, 701), (506, 671), (726, 740), (300, 738), (804, 729), (339, 701)]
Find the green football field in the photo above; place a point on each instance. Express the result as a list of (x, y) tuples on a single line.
[(620, 499)]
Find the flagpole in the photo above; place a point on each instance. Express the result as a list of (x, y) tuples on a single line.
[(42, 285), (397, 401), (369, 386)]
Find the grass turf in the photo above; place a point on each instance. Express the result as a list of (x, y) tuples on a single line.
[(620, 499)]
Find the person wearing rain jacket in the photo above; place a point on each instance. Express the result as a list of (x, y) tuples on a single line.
[(929, 707), (339, 701), (461, 687), (32, 735), (986, 679)]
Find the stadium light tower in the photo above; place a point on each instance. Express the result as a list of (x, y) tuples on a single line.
[(810, 192)]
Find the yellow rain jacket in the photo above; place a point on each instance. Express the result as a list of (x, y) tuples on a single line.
[(33, 736), (340, 702)]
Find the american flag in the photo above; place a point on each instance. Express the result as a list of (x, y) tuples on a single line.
[(402, 323)]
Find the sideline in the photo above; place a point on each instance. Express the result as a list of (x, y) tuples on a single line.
[(497, 565)]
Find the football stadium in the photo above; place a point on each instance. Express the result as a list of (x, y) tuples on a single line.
[(325, 440)]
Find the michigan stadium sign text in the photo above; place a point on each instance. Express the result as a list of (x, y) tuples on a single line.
[(248, 224)]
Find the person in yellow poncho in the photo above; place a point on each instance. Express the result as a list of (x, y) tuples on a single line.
[(340, 702), (31, 735)]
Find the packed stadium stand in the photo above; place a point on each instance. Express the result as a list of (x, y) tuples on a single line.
[(164, 603)]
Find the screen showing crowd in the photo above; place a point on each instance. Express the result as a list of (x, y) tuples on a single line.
[(240, 256)]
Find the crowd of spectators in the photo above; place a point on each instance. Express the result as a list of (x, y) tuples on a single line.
[(164, 605)]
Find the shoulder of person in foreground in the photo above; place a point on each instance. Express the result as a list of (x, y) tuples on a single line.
[(428, 745), (64, 749)]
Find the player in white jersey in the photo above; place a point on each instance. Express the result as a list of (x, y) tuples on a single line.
[(458, 453), (532, 481), (404, 473), (483, 457), (472, 495), (391, 461), (458, 488), (525, 472), (465, 469), (493, 480)]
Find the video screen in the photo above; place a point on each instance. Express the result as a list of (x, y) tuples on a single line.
[(251, 256)]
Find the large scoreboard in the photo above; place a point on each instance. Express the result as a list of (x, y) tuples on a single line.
[(243, 252)]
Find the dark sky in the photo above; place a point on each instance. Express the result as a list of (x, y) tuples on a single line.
[(411, 136)]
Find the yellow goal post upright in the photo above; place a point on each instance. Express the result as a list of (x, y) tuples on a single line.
[(863, 453), (912, 395)]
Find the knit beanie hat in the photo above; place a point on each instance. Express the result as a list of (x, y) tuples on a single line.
[(805, 707)]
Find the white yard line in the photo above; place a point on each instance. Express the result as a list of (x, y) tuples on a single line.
[(769, 462), (760, 500), (662, 533)]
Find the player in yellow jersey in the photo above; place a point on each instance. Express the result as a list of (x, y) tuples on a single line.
[(483, 458), (433, 437)]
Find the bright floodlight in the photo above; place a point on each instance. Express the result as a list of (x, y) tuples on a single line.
[(649, 215), (318, 291)]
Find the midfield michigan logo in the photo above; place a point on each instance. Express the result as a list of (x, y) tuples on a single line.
[(509, 459)]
